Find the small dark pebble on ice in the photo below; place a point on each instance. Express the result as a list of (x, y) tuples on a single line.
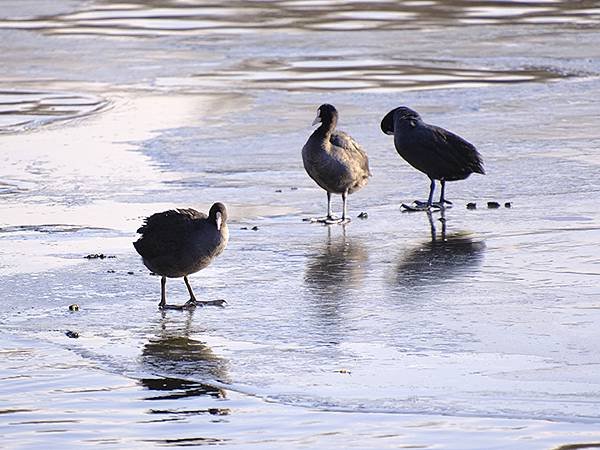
[(74, 307), (508, 205), (129, 273), (255, 228), (72, 334), (493, 205), (244, 228), (363, 215), (110, 271), (293, 188), (278, 190), (472, 205)]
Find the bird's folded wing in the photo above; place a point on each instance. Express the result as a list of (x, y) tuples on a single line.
[(353, 149)]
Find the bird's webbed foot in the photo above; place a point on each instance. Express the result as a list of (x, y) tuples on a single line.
[(442, 205), (336, 221), (419, 205), (192, 304), (189, 305), (326, 219), (220, 303)]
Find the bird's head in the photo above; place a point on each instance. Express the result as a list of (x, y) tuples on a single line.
[(401, 113), (218, 214), (326, 114)]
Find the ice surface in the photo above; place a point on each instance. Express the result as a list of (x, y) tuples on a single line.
[(478, 331)]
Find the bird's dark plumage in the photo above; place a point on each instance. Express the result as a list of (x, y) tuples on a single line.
[(180, 242), (438, 153), (333, 159)]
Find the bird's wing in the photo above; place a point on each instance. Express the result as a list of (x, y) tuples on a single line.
[(353, 150), (163, 232), (454, 156)]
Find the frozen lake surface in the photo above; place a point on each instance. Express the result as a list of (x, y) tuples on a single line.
[(398, 331)]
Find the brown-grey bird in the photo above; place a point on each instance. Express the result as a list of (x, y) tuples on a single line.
[(335, 161), (179, 242)]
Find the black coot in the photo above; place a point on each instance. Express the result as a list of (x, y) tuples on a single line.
[(180, 242), (438, 153)]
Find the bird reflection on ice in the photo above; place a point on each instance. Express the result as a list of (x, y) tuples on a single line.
[(181, 363), (336, 268), (439, 259)]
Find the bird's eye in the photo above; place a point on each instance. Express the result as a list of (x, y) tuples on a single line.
[(413, 123)]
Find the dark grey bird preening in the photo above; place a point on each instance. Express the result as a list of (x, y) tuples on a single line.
[(335, 161), (438, 153), (179, 242)]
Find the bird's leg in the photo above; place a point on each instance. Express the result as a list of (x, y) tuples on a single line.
[(329, 218), (419, 205), (163, 294), (163, 297), (192, 303), (443, 201), (345, 219), (431, 189)]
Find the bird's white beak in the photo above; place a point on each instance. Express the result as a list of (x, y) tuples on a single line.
[(317, 119), (219, 221)]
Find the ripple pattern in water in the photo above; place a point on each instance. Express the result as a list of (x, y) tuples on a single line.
[(328, 73), (143, 18), (24, 109)]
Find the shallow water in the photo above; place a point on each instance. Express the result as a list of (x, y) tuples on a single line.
[(398, 331)]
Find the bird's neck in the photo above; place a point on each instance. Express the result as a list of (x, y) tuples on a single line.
[(325, 130)]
